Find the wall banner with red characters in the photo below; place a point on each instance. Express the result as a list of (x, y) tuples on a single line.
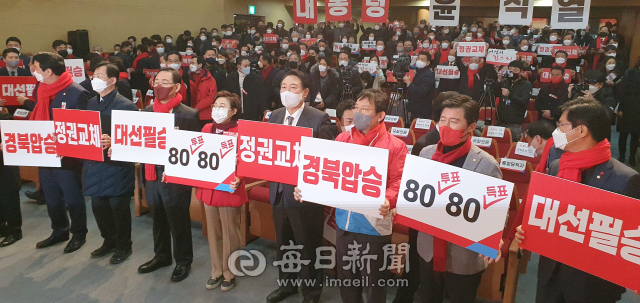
[(376, 11), (458, 205), (343, 175), (337, 10)]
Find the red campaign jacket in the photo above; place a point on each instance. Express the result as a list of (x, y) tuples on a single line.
[(218, 198), (202, 94), (397, 154)]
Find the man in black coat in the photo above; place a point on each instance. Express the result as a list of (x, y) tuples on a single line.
[(514, 93), (126, 51), (326, 82), (269, 72), (62, 186), (10, 184), (475, 88), (110, 184), (293, 63), (11, 58), (552, 96), (421, 89), (248, 85), (345, 70)]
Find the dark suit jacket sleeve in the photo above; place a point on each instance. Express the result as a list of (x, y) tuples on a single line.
[(262, 94), (422, 86), (334, 98), (324, 131), (632, 189), (356, 83), (83, 99), (29, 105)]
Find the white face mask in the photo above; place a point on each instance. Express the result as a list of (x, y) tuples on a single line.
[(285, 46), (69, 51), (379, 48), (189, 52), (114, 52), (175, 66), (505, 42), (611, 66), (398, 33), (452, 58), (302, 52), (445, 45), (525, 48), (474, 29), (566, 42), (219, 115), (347, 128), (425, 45), (560, 138), (290, 100), (252, 32), (221, 60), (612, 55), (243, 53), (464, 28), (473, 66), (214, 44), (193, 68), (420, 64), (344, 40), (202, 38), (343, 63), (479, 35), (215, 34), (294, 39), (169, 41), (279, 25), (553, 38), (371, 38), (446, 31), (268, 31), (560, 60), (18, 49), (260, 64), (160, 50), (593, 89), (38, 76), (376, 27), (322, 49), (468, 38), (308, 36), (341, 25), (98, 85), (322, 68)]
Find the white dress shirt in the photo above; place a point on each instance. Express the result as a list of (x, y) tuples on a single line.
[(295, 115)]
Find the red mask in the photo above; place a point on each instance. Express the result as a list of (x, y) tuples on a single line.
[(162, 93), (556, 79), (450, 136)]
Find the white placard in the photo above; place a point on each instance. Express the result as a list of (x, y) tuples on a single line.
[(513, 164), (267, 115), (207, 159), (444, 12), (471, 49), (409, 148), (501, 56), (383, 62), (516, 12), (391, 119), (423, 123), (447, 72), (76, 68), (462, 202), (522, 149), (331, 112), (134, 92), (368, 45), (569, 14), (535, 92), (337, 47), (495, 131), (20, 112), (140, 137), (29, 143), (481, 141), (150, 93), (400, 132), (366, 67), (327, 173), (545, 50)]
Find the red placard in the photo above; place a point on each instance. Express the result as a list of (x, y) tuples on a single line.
[(186, 60), (12, 87), (270, 151), (270, 38), (545, 75), (528, 57), (308, 41), (78, 134), (375, 11), (229, 43), (150, 73), (593, 230), (572, 51), (305, 11), (337, 10)]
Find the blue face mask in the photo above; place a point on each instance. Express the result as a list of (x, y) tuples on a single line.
[(246, 70)]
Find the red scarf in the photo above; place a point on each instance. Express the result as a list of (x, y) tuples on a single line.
[(542, 165), (471, 74), (368, 138), (440, 245), (379, 53), (141, 56), (444, 55), (564, 65), (150, 169), (266, 72), (46, 93), (123, 75), (573, 164)]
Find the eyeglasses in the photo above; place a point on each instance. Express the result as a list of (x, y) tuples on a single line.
[(362, 110), (163, 83), (558, 124)]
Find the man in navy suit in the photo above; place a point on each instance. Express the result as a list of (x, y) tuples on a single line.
[(11, 58), (62, 186), (14, 42)]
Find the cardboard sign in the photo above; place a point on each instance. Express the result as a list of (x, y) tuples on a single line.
[(447, 72), (376, 11), (338, 46), (337, 10), (270, 39), (308, 41), (527, 57), (400, 132), (444, 12), (570, 14), (513, 164), (457, 205), (13, 87), (270, 151), (343, 175), (150, 73), (516, 12), (572, 51), (75, 67), (471, 49), (228, 43), (522, 149), (590, 229), (391, 119), (545, 49), (495, 131), (79, 133), (201, 159), (29, 143), (368, 45), (305, 11), (423, 123), (481, 141), (545, 75), (501, 56), (140, 137)]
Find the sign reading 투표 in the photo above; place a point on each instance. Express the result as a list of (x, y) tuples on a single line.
[(270, 151), (458, 205), (79, 133), (343, 175), (140, 137), (587, 228), (200, 159), (29, 143)]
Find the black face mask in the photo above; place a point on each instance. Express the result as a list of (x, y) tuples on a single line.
[(63, 53), (312, 58), (293, 65), (282, 61), (602, 34)]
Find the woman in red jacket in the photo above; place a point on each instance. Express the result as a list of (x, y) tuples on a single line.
[(203, 89), (223, 209)]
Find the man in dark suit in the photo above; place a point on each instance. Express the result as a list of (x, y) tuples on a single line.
[(10, 184), (584, 128), (11, 58), (479, 72), (248, 85), (62, 186), (269, 72), (14, 42), (422, 88), (126, 54), (295, 221), (170, 202)]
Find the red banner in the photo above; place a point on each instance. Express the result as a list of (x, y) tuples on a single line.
[(308, 41), (13, 87), (270, 38), (150, 73), (78, 134), (593, 230), (337, 10), (270, 151), (545, 75), (528, 57), (572, 51), (375, 11), (305, 11), (229, 43)]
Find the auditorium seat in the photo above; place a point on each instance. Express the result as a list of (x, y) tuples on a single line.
[(503, 142)]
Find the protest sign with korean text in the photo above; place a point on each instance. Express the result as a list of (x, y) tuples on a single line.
[(545, 75), (527, 57), (516, 12), (376, 11), (140, 137), (573, 52), (29, 143), (201, 159), (75, 67), (447, 72), (337, 10), (501, 56), (308, 41), (343, 175), (186, 60), (338, 46), (368, 45), (79, 133), (367, 67), (444, 12), (150, 73), (457, 205), (13, 87), (270, 151), (305, 11), (471, 49), (270, 38), (569, 14), (228, 43), (584, 227), (545, 49)]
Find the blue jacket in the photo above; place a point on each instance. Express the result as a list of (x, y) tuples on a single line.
[(109, 178)]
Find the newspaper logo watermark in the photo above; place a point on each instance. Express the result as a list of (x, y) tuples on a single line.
[(252, 263)]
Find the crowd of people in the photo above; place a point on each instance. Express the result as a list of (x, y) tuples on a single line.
[(208, 88)]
